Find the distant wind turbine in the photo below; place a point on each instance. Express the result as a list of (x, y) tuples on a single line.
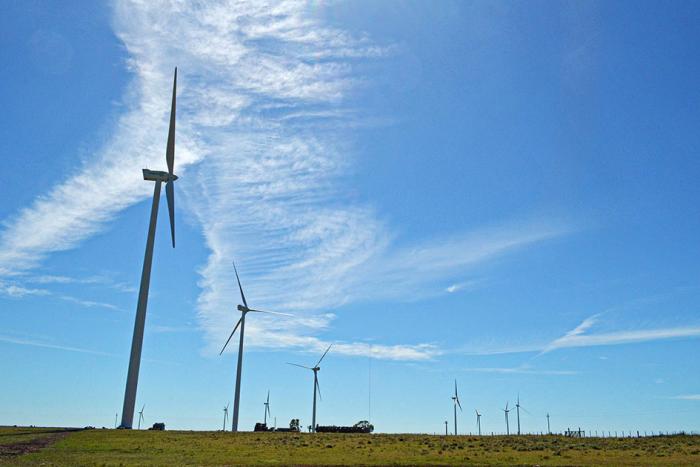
[(315, 369), (159, 177), (518, 407), (141, 415), (267, 407), (455, 402), (478, 421), (549, 431), (244, 309), (225, 415), (446, 428), (506, 410)]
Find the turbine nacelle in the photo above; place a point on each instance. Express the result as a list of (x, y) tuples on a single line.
[(243, 309), (158, 176)]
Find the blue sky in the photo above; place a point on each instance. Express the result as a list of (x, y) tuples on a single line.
[(499, 193)]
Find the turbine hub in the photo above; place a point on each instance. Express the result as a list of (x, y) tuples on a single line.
[(241, 308)]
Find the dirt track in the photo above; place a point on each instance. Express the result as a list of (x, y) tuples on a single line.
[(35, 443)]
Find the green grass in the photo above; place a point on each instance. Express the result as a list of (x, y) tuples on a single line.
[(112, 447)]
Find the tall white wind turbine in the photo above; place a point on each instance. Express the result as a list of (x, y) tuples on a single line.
[(141, 415), (316, 368), (267, 407), (506, 410), (455, 402), (518, 407), (158, 177), (244, 309), (478, 421), (225, 416)]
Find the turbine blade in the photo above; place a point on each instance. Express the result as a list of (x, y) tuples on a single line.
[(318, 388), (460, 405), (170, 194), (268, 396), (170, 150), (271, 312), (455, 388), (300, 366), (232, 333), (324, 354), (239, 285)]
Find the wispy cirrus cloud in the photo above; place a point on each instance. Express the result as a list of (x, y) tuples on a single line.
[(580, 337), (523, 369), (687, 397), (263, 152), (48, 345)]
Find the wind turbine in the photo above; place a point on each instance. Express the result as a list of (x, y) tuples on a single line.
[(478, 420), (244, 309), (518, 407), (445, 427), (141, 415), (158, 177), (549, 432), (225, 416), (455, 402), (315, 369), (506, 410), (267, 407)]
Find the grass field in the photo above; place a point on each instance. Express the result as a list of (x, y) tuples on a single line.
[(121, 447)]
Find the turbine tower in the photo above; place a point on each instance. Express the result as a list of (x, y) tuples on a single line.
[(517, 411), (141, 415), (455, 402), (241, 322), (225, 416), (445, 427), (478, 421), (267, 407), (315, 369), (506, 410), (158, 177), (549, 431)]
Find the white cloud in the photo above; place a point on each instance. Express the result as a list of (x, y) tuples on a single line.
[(47, 345), (264, 180), (88, 303), (522, 370), (14, 290), (687, 397), (623, 337)]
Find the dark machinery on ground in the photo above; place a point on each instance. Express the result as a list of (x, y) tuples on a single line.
[(158, 427), (362, 426), (293, 427)]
